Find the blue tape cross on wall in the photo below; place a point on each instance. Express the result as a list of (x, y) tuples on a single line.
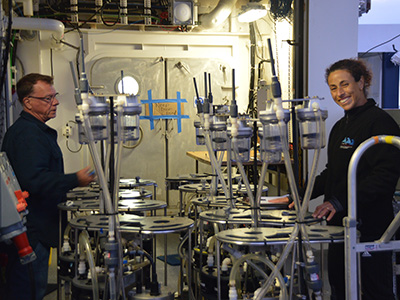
[(151, 116)]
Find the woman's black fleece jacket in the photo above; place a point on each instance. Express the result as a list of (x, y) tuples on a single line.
[(377, 174)]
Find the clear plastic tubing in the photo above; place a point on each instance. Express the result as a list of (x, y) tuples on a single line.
[(254, 214), (267, 262), (84, 245), (215, 165)]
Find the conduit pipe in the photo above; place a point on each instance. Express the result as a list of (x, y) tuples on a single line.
[(256, 257), (219, 14), (120, 111), (217, 168), (254, 208), (84, 247), (264, 170), (55, 26)]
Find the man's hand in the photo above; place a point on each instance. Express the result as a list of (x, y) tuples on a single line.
[(283, 200), (85, 176), (323, 210), (280, 200)]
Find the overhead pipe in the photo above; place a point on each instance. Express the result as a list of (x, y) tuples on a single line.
[(55, 26), (219, 14)]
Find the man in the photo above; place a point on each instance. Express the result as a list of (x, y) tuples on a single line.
[(36, 158)]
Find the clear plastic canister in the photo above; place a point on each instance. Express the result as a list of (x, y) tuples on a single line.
[(268, 156), (200, 138), (98, 119), (99, 124), (219, 136), (242, 143), (312, 126), (82, 136), (130, 127), (271, 130), (130, 122)]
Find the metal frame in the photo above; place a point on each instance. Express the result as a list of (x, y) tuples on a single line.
[(352, 246)]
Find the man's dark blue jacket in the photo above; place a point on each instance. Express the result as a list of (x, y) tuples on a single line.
[(31, 147)]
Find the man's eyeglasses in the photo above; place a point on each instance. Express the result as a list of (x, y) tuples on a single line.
[(47, 99)]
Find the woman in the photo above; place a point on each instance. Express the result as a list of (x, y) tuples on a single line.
[(377, 175)]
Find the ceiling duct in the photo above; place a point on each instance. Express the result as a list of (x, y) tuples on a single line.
[(220, 13)]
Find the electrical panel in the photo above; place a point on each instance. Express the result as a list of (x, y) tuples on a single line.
[(11, 202)]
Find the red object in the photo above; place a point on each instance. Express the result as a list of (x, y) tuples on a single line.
[(22, 244), (164, 15), (21, 196)]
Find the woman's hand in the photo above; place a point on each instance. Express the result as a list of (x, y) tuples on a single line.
[(323, 210)]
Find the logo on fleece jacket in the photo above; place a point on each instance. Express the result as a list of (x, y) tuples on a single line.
[(347, 143)]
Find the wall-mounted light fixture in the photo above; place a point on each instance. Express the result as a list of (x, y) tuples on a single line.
[(252, 11)]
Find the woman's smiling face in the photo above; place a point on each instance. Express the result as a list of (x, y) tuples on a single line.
[(346, 92)]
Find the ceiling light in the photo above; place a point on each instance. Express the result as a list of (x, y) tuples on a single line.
[(181, 12), (252, 12)]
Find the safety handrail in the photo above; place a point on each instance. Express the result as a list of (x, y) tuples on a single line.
[(350, 222)]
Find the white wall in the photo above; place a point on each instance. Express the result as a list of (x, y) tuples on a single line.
[(382, 12), (333, 31), (147, 160), (371, 35), (332, 36), (379, 31)]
